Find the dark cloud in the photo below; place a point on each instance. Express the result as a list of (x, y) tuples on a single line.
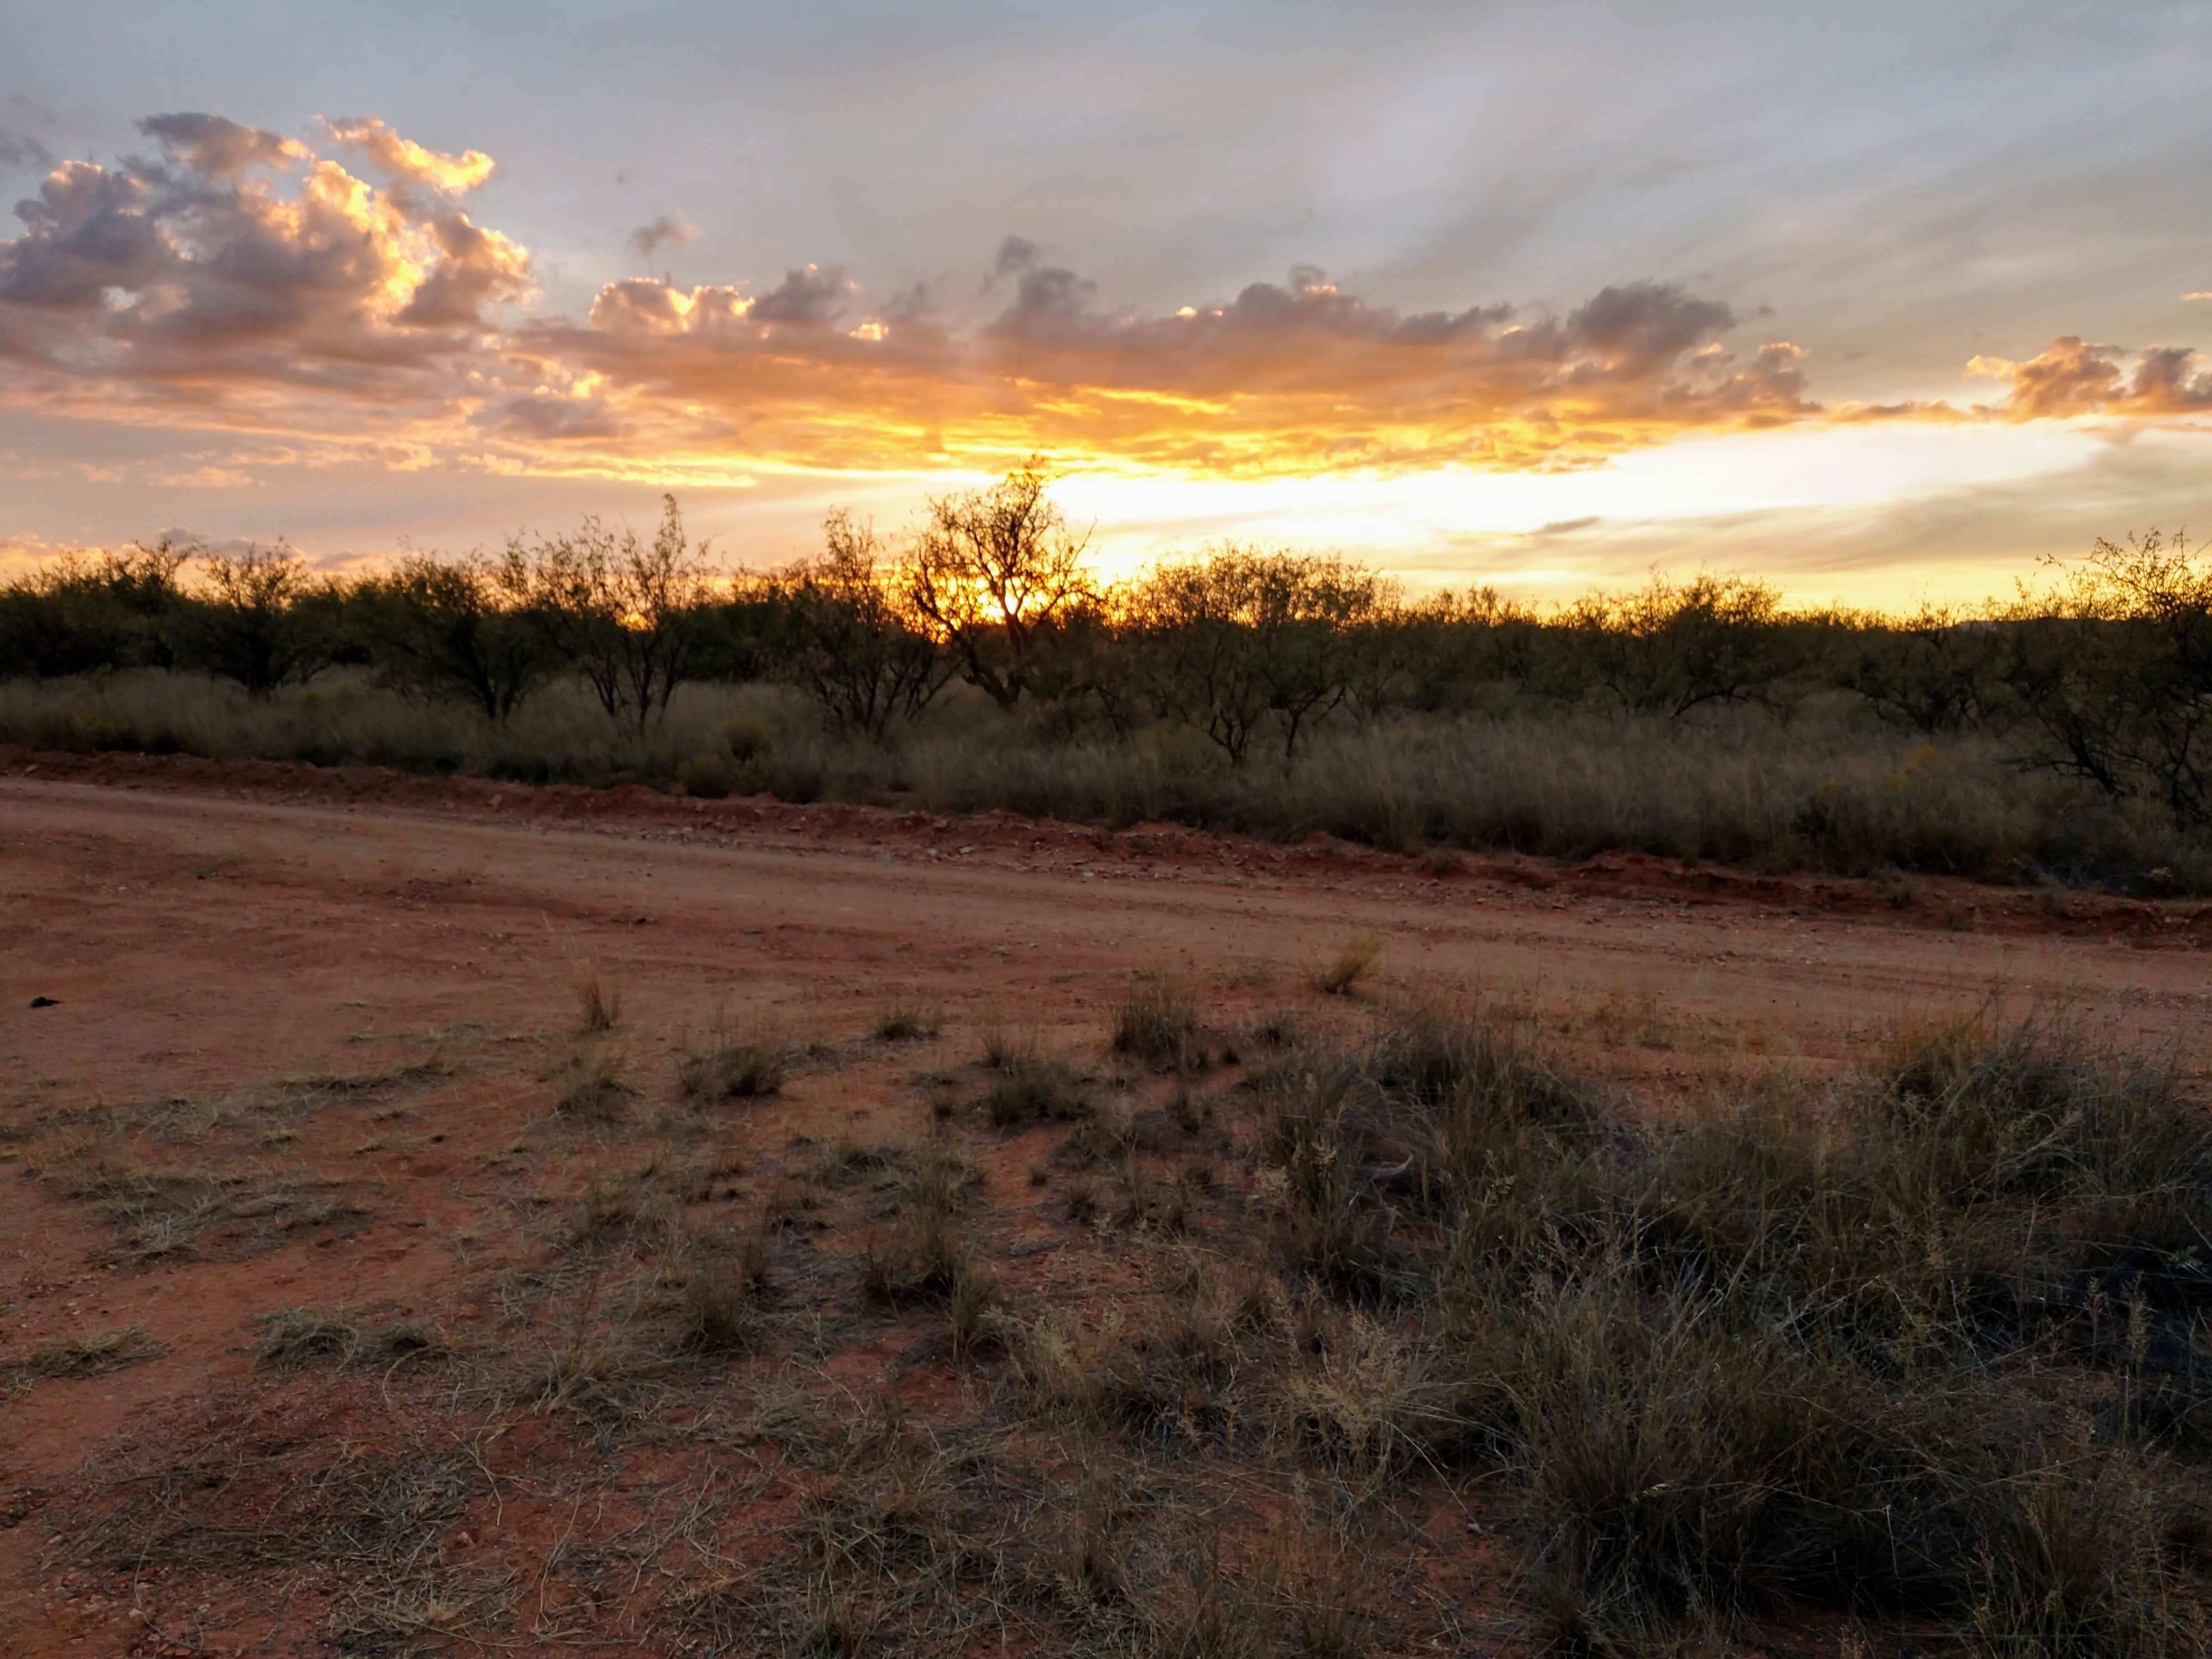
[(542, 416), (2164, 384), (1048, 300), (669, 230), (89, 232), (20, 149), (1643, 325), (1015, 253), (217, 147), (810, 297)]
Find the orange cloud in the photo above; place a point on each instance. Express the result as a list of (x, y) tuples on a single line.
[(1298, 377), (2069, 377), (451, 175)]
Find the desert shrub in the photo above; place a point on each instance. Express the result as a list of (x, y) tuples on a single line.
[(2112, 664), (450, 628), (1158, 1022), (989, 574), (624, 612), (1669, 648), (81, 616), (257, 618), (856, 645)]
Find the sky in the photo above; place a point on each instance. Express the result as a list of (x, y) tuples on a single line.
[(1882, 301)]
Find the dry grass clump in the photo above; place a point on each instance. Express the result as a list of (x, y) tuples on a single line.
[(724, 1283), (245, 1495), (1342, 977), (1157, 1022), (907, 1022), (1028, 1086), (1991, 1113), (1361, 1400), (627, 1209), (591, 1086), (924, 1256), (292, 1338), (1290, 1591), (734, 1065), (603, 1359), (1445, 1109), (161, 1214), (1189, 1369), (598, 1005), (93, 1353)]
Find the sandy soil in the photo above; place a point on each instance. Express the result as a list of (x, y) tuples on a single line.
[(403, 955)]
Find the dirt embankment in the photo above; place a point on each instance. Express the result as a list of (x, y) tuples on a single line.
[(1951, 905)]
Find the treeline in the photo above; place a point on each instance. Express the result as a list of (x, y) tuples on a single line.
[(2102, 672)]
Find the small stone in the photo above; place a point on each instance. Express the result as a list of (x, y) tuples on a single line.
[(45, 1002)]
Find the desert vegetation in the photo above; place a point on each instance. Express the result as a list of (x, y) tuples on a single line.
[(1373, 1325), (977, 663)]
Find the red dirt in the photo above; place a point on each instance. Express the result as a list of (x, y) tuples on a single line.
[(206, 928)]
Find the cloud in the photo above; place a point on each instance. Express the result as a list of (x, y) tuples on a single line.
[(478, 267), (20, 149), (449, 175), (1297, 376), (217, 147), (544, 414), (2070, 377), (670, 229), (808, 298), (238, 278)]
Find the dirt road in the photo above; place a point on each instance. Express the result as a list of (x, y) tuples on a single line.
[(183, 934)]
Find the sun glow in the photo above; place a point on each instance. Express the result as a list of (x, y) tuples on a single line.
[(1385, 516)]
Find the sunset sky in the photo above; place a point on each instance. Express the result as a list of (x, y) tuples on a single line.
[(1880, 301)]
